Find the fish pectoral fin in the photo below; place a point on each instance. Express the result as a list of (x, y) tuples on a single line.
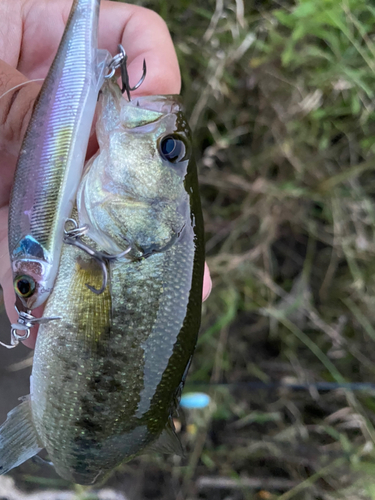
[(18, 437), (39, 460), (168, 442)]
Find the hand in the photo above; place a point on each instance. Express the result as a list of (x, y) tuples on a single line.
[(30, 32)]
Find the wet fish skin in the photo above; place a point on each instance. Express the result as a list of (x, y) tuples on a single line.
[(52, 155), (106, 377)]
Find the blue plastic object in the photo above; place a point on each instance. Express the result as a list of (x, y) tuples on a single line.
[(192, 400)]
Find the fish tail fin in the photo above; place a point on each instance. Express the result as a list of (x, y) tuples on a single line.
[(168, 442), (18, 437)]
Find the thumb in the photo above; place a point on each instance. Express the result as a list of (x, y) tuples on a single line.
[(16, 104)]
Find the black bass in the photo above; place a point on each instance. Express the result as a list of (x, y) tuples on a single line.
[(107, 376), (52, 156)]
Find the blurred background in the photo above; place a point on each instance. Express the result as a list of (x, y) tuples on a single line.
[(280, 96)]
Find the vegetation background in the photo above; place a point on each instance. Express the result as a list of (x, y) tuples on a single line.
[(281, 99)]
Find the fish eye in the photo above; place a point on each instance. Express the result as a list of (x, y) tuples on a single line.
[(24, 286), (172, 148)]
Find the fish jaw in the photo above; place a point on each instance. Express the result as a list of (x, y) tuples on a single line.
[(143, 109)]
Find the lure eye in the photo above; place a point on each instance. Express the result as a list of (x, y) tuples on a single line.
[(24, 286), (172, 149)]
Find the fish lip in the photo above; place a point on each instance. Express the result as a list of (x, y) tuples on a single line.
[(166, 104)]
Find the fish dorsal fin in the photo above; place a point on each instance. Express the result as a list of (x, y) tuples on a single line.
[(18, 437), (168, 442)]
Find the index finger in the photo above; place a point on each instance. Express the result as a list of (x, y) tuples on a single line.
[(142, 32), (144, 35)]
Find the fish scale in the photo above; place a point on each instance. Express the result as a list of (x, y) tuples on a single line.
[(119, 382)]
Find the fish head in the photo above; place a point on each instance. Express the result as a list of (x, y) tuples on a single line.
[(31, 268), (135, 192), (158, 145)]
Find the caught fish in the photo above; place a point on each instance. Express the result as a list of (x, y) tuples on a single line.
[(51, 161), (107, 376)]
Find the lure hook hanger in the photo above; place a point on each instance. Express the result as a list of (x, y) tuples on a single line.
[(24, 324), (73, 237), (120, 61)]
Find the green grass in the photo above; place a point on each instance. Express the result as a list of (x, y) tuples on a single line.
[(281, 100)]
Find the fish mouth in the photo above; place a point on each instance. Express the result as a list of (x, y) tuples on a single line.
[(145, 111), (164, 104)]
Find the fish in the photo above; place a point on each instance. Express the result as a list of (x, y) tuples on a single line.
[(52, 155), (107, 377)]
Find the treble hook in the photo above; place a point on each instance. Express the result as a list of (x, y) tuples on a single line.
[(24, 324), (72, 237), (125, 75), (120, 61)]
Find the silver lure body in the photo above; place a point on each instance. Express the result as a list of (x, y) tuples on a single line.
[(53, 151)]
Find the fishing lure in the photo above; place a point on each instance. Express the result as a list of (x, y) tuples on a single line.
[(51, 161)]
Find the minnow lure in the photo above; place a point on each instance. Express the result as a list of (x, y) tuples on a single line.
[(51, 161)]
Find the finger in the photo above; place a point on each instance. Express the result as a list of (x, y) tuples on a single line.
[(144, 35), (11, 31), (142, 32), (207, 283), (15, 110)]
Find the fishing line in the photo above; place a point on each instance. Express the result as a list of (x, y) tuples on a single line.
[(193, 399), (258, 385), (21, 84)]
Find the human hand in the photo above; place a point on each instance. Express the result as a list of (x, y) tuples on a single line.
[(30, 32)]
